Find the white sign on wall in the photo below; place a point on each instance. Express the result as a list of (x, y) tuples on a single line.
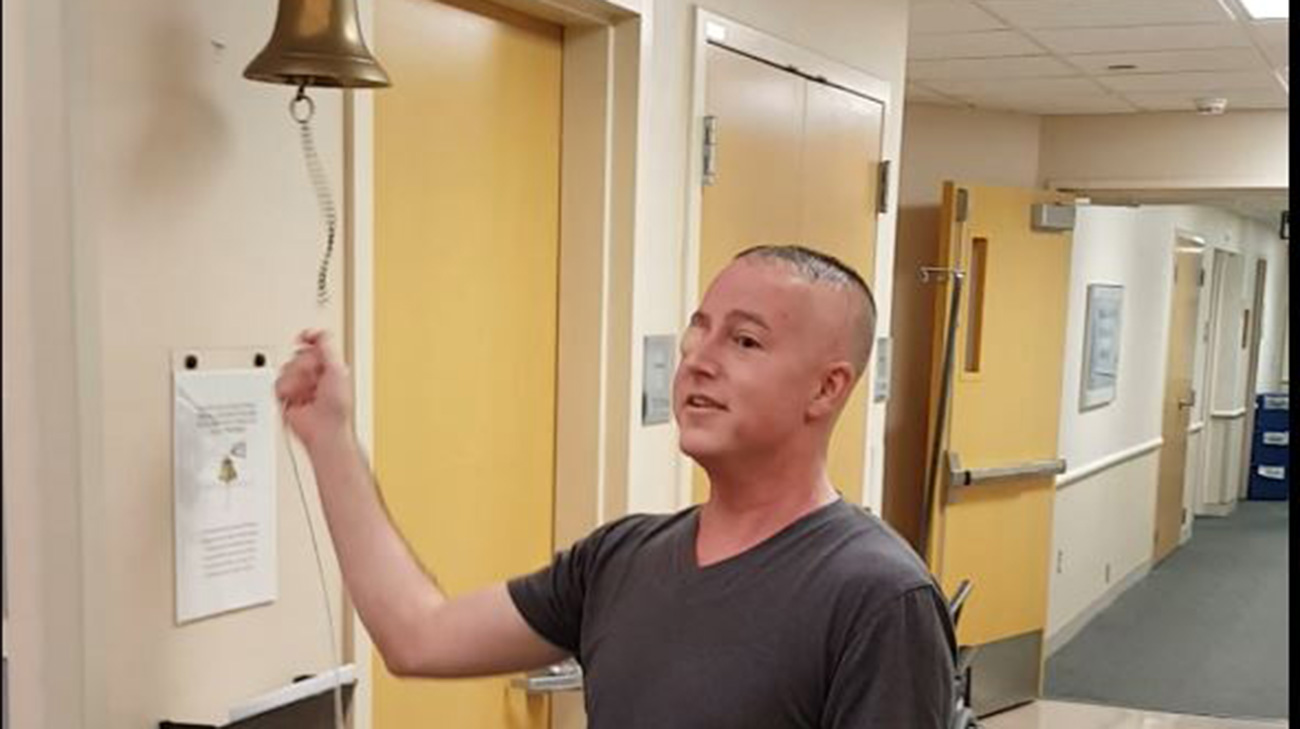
[(224, 490), (1101, 338)]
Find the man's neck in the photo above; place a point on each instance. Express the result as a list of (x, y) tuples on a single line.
[(748, 504)]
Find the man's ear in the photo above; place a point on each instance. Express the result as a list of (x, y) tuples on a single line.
[(833, 389)]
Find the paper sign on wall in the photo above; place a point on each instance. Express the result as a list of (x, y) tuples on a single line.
[(224, 490)]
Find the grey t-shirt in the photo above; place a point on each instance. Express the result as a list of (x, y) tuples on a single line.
[(832, 622)]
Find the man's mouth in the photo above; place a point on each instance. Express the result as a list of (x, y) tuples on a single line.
[(703, 402)]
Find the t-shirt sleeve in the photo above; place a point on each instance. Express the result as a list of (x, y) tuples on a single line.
[(551, 600), (897, 667)]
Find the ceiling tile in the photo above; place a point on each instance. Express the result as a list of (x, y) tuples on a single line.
[(950, 17), (1100, 104), (920, 94), (1209, 82), (1186, 101), (1142, 38), (982, 44), (1216, 59), (1016, 87), (1106, 13), (1278, 55), (992, 68), (1272, 31)]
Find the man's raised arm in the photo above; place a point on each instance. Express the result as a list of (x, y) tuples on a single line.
[(417, 629)]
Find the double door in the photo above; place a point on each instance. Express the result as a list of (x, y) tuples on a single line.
[(794, 160)]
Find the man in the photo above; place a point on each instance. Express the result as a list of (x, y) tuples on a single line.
[(775, 604)]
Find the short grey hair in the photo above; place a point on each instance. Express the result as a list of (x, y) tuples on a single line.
[(822, 268)]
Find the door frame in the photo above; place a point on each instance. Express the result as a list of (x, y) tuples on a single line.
[(1252, 373), (605, 52), (714, 29), (1217, 264)]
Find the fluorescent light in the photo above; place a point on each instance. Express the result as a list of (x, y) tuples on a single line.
[(1267, 9)]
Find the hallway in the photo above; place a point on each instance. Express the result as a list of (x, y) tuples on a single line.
[(1206, 632)]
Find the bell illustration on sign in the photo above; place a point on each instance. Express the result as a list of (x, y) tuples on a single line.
[(227, 474)]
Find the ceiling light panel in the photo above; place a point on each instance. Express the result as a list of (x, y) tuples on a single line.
[(1106, 13), (1266, 9)]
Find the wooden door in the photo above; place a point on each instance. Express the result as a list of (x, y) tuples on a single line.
[(467, 174), (1178, 401), (1004, 412), (797, 162)]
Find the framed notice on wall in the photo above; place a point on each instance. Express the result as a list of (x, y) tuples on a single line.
[(1101, 336)]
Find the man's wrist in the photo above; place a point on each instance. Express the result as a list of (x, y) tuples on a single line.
[(331, 441)]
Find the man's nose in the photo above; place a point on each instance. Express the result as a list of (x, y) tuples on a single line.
[(698, 357)]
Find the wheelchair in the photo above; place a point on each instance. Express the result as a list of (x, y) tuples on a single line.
[(963, 716)]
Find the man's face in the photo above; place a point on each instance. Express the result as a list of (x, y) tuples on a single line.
[(753, 358)]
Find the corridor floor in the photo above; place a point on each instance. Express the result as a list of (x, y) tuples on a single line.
[(1049, 714), (1205, 633)]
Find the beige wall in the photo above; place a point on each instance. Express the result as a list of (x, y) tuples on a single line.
[(952, 143), (870, 37), (1175, 149), (172, 212)]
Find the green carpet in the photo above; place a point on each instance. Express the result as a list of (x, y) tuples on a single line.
[(1206, 632)]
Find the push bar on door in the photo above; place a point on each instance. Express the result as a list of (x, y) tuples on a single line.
[(971, 476)]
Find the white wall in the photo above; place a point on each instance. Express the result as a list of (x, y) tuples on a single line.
[(870, 37), (172, 211), (1129, 247), (1095, 522)]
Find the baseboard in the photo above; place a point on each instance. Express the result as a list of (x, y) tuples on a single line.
[(1217, 509), (1080, 621)]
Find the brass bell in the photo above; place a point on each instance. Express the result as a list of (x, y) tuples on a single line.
[(317, 43)]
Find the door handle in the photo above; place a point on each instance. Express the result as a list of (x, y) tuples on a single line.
[(563, 676), (971, 476)]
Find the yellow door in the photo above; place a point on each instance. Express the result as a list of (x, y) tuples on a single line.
[(466, 254), (1178, 400), (797, 162), (1003, 413)]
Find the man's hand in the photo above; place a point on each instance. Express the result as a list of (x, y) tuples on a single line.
[(418, 631), (315, 390)]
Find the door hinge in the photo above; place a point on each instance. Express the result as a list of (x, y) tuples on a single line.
[(710, 149), (963, 205), (882, 187), (1200, 279)]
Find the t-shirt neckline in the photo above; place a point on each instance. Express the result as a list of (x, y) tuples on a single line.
[(691, 568)]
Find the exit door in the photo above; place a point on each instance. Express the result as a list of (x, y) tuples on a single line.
[(794, 160), (467, 185), (993, 427)]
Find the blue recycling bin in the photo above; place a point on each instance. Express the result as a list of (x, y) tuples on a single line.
[(1270, 453)]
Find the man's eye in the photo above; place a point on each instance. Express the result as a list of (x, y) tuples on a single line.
[(748, 342)]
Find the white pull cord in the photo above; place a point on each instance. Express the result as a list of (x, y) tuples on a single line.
[(320, 571)]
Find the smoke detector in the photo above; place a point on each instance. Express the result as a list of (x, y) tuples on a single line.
[(1208, 106)]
